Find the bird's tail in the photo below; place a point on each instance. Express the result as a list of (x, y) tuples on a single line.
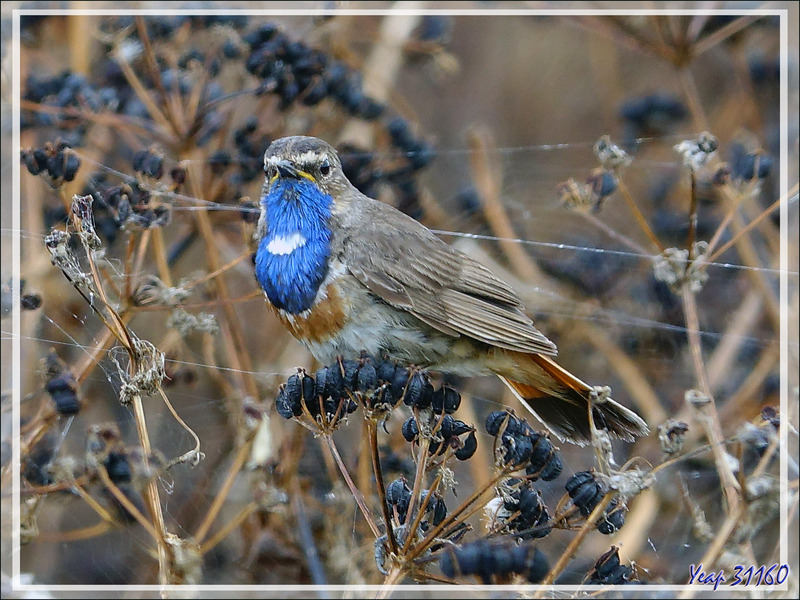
[(561, 401)]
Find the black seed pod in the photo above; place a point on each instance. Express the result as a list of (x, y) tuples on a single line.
[(613, 519), (71, 167), (487, 558), (350, 375), (495, 420), (518, 449), (552, 468), (153, 166), (419, 391), (446, 399), (468, 449), (609, 571), (308, 388), (410, 429), (399, 382), (118, 467), (537, 566), (436, 506), (55, 165), (398, 496), (178, 175), (286, 407), (545, 462), (602, 183), (585, 491), (331, 386), (446, 427), (367, 377), (63, 389), (385, 371), (460, 428)]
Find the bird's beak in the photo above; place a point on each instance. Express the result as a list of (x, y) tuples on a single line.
[(286, 169)]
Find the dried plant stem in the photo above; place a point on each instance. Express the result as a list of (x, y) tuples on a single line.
[(422, 465), (614, 234), (637, 214), (636, 382), (711, 423), (746, 228), (488, 181), (733, 519), (574, 544), (750, 257), (226, 529), (693, 99), (238, 350), (392, 579), (383, 66), (155, 72), (453, 516), (225, 488), (741, 322), (127, 504), (152, 496), (359, 497), (372, 433), (220, 271), (160, 253), (84, 533), (412, 531), (692, 235), (723, 33)]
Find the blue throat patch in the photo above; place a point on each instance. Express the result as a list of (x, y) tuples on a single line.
[(292, 258)]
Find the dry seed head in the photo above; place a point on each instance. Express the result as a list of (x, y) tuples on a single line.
[(696, 153), (610, 155)]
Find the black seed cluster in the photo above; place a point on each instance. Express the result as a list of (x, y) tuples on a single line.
[(66, 90), (650, 115), (126, 205), (36, 462), (149, 163), (613, 519), (602, 182), (486, 559), (398, 499), (327, 395), (249, 159), (524, 447), (118, 466), (61, 385), (745, 166), (53, 161), (27, 300), (586, 493), (448, 434), (527, 513), (609, 571), (294, 71)]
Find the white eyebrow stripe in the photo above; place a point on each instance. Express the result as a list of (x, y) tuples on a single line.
[(304, 159), (282, 245)]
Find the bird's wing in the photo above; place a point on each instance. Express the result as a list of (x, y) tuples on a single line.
[(404, 264)]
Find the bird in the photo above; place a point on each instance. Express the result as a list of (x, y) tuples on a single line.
[(347, 274)]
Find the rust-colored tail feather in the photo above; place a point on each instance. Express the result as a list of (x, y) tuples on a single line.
[(563, 404)]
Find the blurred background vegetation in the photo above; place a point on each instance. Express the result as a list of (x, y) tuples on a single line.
[(483, 128)]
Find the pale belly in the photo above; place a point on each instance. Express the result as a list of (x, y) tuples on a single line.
[(347, 319)]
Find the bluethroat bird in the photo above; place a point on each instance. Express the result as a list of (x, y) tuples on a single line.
[(346, 274)]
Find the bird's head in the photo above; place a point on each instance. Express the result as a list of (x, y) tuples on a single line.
[(299, 162)]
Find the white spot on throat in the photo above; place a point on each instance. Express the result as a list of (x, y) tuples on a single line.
[(282, 244)]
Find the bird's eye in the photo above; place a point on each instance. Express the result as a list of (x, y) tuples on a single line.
[(325, 168)]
